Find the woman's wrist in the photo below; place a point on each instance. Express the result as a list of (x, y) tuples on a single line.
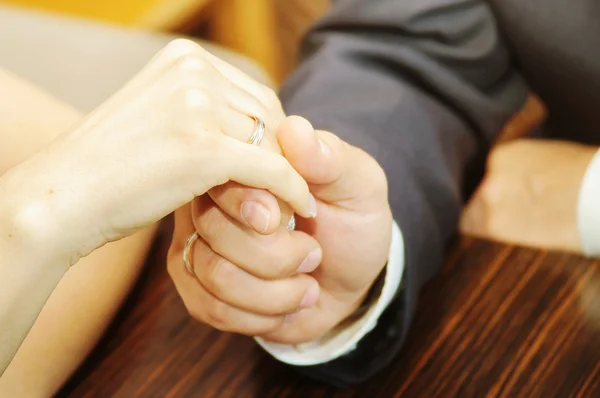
[(33, 216)]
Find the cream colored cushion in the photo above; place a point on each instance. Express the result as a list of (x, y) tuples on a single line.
[(83, 62)]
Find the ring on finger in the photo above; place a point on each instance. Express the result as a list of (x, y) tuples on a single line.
[(258, 132), (187, 261)]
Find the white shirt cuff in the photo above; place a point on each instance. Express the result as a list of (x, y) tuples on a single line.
[(344, 341), (588, 210)]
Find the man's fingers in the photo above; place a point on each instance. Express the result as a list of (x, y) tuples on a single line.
[(335, 170), (239, 289), (309, 323), (317, 161), (206, 308), (273, 256), (255, 208)]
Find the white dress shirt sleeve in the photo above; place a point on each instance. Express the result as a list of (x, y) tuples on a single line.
[(588, 211), (345, 340)]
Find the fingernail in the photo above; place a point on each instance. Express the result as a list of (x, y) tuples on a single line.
[(310, 262), (257, 215), (312, 206), (311, 296)]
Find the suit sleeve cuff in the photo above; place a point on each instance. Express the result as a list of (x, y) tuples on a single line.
[(588, 212), (343, 341)]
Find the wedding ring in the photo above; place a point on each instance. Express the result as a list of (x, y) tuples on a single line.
[(187, 261), (291, 225), (258, 133)]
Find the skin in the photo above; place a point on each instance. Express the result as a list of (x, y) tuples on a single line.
[(283, 286), (158, 141), (529, 195), (261, 281), (66, 329), (59, 338)]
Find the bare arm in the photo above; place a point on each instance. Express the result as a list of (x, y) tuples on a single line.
[(125, 167), (66, 329)]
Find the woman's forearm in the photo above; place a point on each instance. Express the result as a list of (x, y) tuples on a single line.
[(76, 304), (29, 273), (29, 120), (74, 316), (164, 139)]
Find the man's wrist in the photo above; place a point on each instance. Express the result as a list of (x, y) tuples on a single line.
[(345, 336), (368, 299)]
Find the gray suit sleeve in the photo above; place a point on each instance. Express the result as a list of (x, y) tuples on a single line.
[(424, 86)]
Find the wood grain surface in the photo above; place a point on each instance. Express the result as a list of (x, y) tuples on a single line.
[(499, 321)]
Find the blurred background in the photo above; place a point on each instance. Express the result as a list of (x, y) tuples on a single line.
[(267, 31)]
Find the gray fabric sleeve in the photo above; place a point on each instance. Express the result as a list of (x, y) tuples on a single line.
[(424, 86)]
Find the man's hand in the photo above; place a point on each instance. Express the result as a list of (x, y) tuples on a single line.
[(530, 194), (255, 277)]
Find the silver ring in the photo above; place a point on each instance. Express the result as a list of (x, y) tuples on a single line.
[(186, 252), (291, 225), (258, 133)]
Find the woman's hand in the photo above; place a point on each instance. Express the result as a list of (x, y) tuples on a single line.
[(175, 131), (170, 135)]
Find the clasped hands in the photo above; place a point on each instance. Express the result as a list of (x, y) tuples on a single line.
[(254, 276), (175, 137)]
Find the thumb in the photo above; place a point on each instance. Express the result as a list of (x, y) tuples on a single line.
[(317, 161), (335, 170)]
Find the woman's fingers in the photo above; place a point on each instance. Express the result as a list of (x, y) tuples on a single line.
[(237, 117), (157, 67), (271, 257), (250, 98), (255, 208), (255, 167), (236, 125), (237, 288), (161, 143), (258, 90)]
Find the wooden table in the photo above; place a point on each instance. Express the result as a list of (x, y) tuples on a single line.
[(499, 321)]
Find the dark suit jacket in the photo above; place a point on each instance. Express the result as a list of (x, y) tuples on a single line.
[(425, 86)]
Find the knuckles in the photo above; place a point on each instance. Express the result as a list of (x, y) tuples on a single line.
[(191, 63), (179, 48), (271, 99), (194, 100), (209, 224), (220, 275), (218, 314), (192, 77), (277, 270)]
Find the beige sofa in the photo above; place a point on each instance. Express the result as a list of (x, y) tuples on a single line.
[(83, 62)]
